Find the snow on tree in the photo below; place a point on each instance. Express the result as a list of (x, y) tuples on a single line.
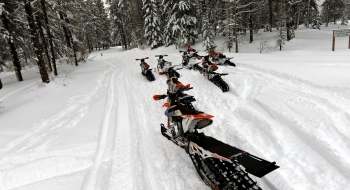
[(153, 26), (346, 12), (97, 25), (119, 19), (281, 33), (36, 41), (208, 26), (332, 9), (7, 19), (208, 34), (182, 23)]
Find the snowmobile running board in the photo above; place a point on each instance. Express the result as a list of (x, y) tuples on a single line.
[(252, 164)]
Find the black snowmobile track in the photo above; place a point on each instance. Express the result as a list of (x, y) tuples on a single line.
[(218, 81), (197, 67), (231, 64), (221, 175), (149, 75)]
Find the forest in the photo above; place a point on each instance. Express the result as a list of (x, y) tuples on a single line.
[(44, 33)]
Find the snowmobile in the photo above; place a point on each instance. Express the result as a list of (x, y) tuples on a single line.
[(189, 61), (188, 56), (208, 70), (219, 58), (218, 164), (145, 70), (166, 67)]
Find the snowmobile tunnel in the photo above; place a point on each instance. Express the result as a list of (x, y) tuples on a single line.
[(252, 164)]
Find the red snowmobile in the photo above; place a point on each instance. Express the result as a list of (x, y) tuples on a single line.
[(145, 70), (208, 70), (219, 58)]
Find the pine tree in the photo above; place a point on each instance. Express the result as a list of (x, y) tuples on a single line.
[(49, 36), (7, 17), (182, 23), (153, 26), (233, 22), (207, 24), (333, 9), (137, 24), (281, 36), (346, 13), (99, 21), (120, 16), (169, 37), (64, 11), (36, 41)]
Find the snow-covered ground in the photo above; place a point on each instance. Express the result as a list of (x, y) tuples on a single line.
[(96, 126)]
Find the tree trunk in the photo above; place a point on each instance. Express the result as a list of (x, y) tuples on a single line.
[(251, 32), (235, 27), (298, 16), (35, 40), (44, 43), (72, 42), (270, 10), (327, 16), (65, 30), (68, 35), (49, 35), (123, 35), (74, 49), (15, 60), (89, 44), (308, 14)]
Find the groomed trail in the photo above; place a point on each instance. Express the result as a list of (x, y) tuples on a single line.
[(107, 134)]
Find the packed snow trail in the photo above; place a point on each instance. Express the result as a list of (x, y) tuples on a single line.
[(107, 130), (42, 135)]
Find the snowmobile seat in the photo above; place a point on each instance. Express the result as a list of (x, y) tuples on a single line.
[(184, 110)]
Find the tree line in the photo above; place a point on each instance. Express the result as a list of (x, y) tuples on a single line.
[(44, 31)]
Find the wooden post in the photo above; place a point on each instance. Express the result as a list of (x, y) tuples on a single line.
[(333, 41)]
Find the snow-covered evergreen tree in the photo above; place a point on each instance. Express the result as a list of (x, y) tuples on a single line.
[(169, 37), (153, 25), (207, 24), (97, 24), (346, 12), (8, 31), (208, 34), (102, 26), (281, 36), (332, 9), (119, 15), (182, 23)]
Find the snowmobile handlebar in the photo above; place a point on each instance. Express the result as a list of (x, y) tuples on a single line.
[(137, 59), (162, 96), (159, 97)]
